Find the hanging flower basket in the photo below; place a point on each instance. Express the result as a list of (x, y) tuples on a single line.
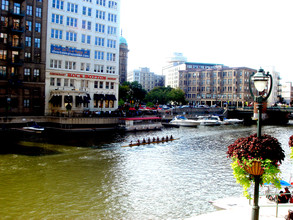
[(255, 168), (256, 156)]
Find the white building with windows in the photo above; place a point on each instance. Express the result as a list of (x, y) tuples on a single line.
[(82, 60), (147, 79)]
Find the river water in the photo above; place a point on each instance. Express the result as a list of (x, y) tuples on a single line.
[(94, 177)]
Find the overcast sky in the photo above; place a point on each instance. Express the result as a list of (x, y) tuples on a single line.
[(251, 33)]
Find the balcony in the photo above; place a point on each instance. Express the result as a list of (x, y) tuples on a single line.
[(16, 14), (15, 46), (15, 62), (16, 30)]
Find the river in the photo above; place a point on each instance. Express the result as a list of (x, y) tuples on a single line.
[(94, 177)]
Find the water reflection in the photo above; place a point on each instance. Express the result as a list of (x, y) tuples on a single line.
[(92, 177)]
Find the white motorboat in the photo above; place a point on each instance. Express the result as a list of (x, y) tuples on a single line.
[(34, 127), (209, 120), (180, 120), (232, 121)]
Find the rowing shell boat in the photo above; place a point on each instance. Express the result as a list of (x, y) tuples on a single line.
[(152, 142)]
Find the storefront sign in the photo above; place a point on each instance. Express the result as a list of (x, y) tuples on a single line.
[(84, 76)]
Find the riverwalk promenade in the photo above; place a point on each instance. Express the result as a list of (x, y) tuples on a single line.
[(239, 208)]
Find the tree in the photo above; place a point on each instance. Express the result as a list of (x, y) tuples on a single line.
[(131, 91), (177, 96), (166, 95)]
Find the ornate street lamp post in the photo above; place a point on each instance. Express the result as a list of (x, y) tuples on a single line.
[(260, 80)]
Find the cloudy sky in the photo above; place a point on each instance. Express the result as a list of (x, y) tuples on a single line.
[(251, 33)]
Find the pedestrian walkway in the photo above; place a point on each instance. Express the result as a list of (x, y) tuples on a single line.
[(239, 208)]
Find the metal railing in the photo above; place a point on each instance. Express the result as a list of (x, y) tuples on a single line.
[(274, 198)]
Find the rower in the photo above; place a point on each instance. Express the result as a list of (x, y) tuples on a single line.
[(171, 137), (163, 139), (143, 141), (158, 139), (138, 142), (154, 139), (167, 139), (149, 140)]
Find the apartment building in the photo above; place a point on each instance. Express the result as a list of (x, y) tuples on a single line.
[(147, 79), (22, 57), (222, 86), (209, 83), (82, 60)]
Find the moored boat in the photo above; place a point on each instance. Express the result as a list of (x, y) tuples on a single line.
[(209, 120), (232, 121), (140, 124), (34, 127), (180, 120)]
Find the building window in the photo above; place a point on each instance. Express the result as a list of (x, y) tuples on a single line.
[(27, 56), (88, 39), (96, 84), (99, 55), (58, 82), (101, 84), (3, 54), (26, 103), (70, 65), (58, 4), (27, 74), (66, 81), (101, 2), (2, 72), (52, 81), (110, 69), (56, 64), (5, 5), (4, 21), (112, 17), (82, 66), (112, 4), (3, 38), (112, 85), (38, 27), (100, 14), (111, 43), (112, 30), (57, 34), (38, 12), (16, 8), (100, 28), (71, 22), (71, 82), (99, 41), (37, 43), (71, 36), (99, 68), (36, 75), (58, 19), (72, 7), (88, 67), (111, 56), (28, 25)]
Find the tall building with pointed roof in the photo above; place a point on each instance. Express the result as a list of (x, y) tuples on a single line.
[(123, 57)]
